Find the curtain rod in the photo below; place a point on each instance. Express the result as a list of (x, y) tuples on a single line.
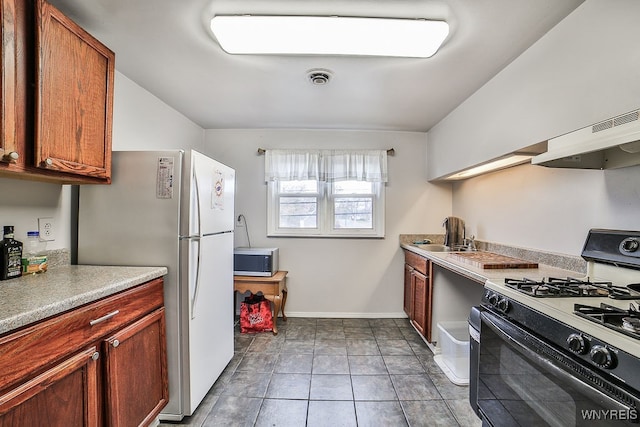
[(390, 151)]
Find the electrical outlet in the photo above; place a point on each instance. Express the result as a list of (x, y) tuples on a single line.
[(240, 221), (47, 229)]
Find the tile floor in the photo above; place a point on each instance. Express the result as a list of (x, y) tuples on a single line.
[(333, 372)]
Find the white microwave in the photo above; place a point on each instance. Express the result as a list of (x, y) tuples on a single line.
[(255, 261)]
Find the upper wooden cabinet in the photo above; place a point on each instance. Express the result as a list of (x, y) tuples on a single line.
[(74, 97), (12, 81), (62, 121)]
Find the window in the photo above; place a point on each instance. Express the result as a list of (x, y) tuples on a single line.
[(326, 193), (352, 205), (316, 208), (298, 204)]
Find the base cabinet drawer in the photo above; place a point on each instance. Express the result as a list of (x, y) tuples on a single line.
[(416, 261)]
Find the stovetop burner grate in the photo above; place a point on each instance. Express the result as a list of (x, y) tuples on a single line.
[(566, 287), (624, 321)]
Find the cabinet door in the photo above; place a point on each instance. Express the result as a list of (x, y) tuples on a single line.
[(74, 97), (408, 297), (65, 396), (136, 372), (12, 84), (419, 300), (428, 292)]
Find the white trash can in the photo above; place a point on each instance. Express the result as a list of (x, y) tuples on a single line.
[(454, 347)]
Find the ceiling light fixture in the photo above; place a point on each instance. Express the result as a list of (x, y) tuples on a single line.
[(328, 35)]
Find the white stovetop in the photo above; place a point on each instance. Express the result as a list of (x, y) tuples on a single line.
[(562, 308)]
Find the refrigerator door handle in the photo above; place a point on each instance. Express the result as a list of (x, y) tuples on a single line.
[(194, 300), (198, 204)]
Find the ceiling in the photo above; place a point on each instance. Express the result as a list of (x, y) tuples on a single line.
[(166, 47)]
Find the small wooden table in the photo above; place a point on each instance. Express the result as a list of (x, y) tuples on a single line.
[(274, 289)]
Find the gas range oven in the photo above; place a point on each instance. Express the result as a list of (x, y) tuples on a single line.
[(562, 351)]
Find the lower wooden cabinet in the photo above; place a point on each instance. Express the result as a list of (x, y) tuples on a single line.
[(408, 290), (103, 364), (418, 292), (136, 372), (65, 395)]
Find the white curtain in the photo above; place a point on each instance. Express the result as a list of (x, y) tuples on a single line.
[(292, 165), (326, 165)]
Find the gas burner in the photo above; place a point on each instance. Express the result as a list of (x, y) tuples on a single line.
[(540, 290), (618, 319), (567, 287), (631, 324)]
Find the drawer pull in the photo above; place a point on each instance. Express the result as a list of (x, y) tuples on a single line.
[(103, 318)]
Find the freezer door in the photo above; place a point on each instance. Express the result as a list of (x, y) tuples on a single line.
[(208, 317), (211, 189)]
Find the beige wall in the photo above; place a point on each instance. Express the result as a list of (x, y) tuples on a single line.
[(548, 209), (338, 277), (23, 202), (141, 121)]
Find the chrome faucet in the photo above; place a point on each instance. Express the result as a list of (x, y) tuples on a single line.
[(470, 243)]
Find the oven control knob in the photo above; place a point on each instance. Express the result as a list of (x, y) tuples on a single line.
[(630, 244), (493, 299), (503, 305), (602, 356), (577, 343)]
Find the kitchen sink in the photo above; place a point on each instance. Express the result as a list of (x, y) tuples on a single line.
[(462, 248), (433, 247)]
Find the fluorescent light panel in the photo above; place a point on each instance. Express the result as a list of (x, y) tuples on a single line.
[(502, 163), (328, 35)]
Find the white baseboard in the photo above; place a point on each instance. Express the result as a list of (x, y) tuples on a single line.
[(330, 315)]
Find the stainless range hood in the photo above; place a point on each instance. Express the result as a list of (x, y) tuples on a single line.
[(613, 143)]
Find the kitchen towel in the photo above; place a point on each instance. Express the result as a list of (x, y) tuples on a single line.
[(454, 231)]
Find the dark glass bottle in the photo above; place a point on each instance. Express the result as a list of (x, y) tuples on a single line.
[(11, 255)]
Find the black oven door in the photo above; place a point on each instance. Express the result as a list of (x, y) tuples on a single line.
[(523, 381)]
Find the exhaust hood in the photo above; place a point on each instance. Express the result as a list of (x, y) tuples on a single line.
[(613, 143)]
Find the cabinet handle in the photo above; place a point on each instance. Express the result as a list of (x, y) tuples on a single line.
[(47, 162), (10, 157), (115, 343), (103, 318), (95, 356)]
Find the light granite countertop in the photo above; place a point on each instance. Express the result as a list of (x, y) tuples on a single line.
[(445, 260), (35, 297)]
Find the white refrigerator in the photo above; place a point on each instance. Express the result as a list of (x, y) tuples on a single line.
[(172, 208)]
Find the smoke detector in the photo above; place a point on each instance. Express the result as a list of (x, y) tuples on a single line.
[(319, 76)]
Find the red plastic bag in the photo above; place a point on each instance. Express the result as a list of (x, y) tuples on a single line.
[(255, 314)]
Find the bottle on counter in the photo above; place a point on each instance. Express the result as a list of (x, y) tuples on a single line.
[(11, 255), (34, 258)]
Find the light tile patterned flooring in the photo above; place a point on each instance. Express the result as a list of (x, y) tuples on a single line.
[(333, 372)]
